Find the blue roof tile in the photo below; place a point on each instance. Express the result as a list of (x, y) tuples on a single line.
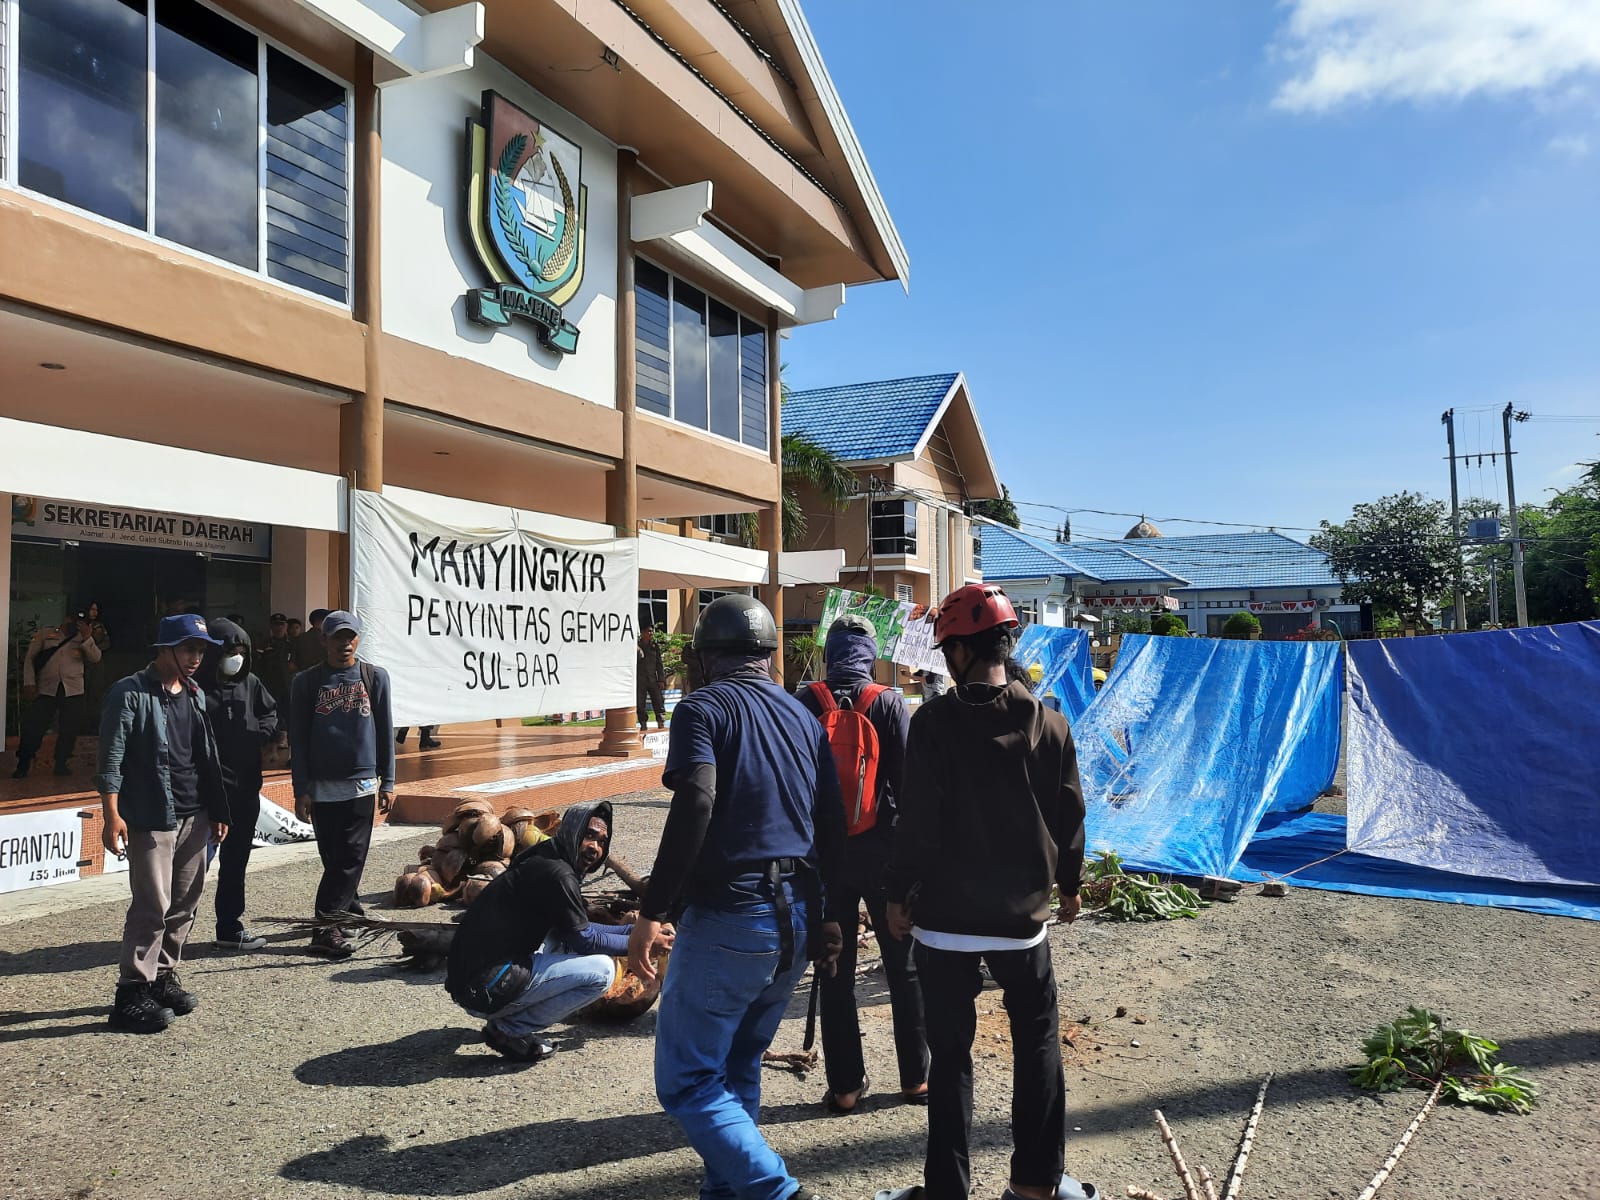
[(1233, 560), (868, 422), (1011, 554)]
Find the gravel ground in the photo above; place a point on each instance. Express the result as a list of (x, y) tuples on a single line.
[(301, 1078)]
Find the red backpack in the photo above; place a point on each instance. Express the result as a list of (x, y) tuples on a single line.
[(855, 753)]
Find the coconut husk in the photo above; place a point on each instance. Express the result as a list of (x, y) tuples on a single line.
[(413, 890), (512, 815), (628, 996), (492, 869), (470, 806), (449, 866), (472, 888), (410, 868), (425, 853), (485, 836), (466, 830), (450, 841), (548, 822), (528, 836), (506, 848)]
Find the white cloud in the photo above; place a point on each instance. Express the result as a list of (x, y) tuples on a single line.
[(1355, 51), (1569, 145)]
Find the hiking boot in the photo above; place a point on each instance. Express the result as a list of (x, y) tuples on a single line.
[(135, 1011), (242, 941), (169, 993), (430, 743), (331, 943), (529, 1049)]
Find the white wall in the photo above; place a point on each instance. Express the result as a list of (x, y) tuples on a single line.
[(1040, 593), (428, 260)]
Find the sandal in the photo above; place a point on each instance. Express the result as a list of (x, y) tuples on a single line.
[(918, 1098), (835, 1109)]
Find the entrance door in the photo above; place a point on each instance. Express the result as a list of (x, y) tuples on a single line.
[(135, 588)]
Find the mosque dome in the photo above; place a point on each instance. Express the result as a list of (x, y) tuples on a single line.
[(1144, 529)]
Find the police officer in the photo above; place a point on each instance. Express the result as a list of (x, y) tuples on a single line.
[(755, 833)]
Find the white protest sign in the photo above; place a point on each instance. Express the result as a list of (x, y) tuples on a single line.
[(39, 848), (475, 624)]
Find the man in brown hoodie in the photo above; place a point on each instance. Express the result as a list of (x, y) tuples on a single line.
[(991, 817)]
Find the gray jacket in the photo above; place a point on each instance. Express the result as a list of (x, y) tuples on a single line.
[(132, 758)]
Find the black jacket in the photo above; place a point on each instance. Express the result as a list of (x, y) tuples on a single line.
[(244, 714), (991, 815)]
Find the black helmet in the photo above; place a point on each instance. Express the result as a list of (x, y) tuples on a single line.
[(738, 623)]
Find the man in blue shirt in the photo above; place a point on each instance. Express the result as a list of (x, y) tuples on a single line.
[(755, 832), (341, 746)]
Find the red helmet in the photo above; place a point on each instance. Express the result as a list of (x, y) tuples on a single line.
[(972, 609)]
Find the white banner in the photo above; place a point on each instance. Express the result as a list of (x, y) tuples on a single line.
[(479, 624), (39, 848)]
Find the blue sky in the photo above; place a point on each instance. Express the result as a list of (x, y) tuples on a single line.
[(1232, 260)]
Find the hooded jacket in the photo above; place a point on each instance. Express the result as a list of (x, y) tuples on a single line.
[(991, 816), (850, 656), (244, 714), (536, 898)]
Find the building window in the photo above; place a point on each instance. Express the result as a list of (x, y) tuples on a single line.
[(242, 136), (977, 555), (706, 595), (726, 525), (894, 527), (653, 609), (902, 591), (698, 361)]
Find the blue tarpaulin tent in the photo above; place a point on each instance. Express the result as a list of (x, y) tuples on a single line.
[(1066, 672), (1193, 740), (1479, 753)]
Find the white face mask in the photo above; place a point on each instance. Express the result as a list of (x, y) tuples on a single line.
[(232, 664)]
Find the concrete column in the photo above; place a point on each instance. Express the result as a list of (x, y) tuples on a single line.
[(772, 515), (621, 736), (361, 422), (5, 612)]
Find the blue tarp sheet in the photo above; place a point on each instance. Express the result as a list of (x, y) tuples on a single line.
[(1479, 753), (1191, 741), (1066, 672), (1288, 843)]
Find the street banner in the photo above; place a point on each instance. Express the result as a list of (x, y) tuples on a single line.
[(39, 848), (476, 624), (905, 630)]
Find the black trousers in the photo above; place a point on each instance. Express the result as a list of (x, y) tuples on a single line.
[(233, 856), (66, 710), (344, 833), (651, 692), (862, 880), (950, 985)]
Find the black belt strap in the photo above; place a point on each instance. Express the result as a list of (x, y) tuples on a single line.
[(780, 900)]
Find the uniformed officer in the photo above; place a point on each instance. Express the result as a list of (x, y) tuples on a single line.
[(755, 833)]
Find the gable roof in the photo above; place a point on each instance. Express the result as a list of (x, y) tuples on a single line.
[(1011, 554), (870, 422), (1258, 559)]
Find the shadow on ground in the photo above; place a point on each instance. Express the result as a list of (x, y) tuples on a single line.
[(499, 1159), (59, 960)]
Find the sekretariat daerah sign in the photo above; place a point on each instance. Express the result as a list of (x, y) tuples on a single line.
[(479, 624)]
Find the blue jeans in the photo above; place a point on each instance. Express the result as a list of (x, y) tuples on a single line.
[(561, 985), (720, 1009)]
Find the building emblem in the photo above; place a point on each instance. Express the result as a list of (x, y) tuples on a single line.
[(526, 205)]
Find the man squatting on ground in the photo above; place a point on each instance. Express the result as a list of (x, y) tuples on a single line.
[(526, 955), (341, 758), (244, 720), (754, 833), (850, 654), (991, 817), (161, 796)]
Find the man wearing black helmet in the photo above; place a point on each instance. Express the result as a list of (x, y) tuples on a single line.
[(754, 834), (991, 818)]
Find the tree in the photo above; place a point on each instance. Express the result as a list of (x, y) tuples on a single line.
[(1169, 625), (1396, 551), (1561, 553), (1129, 620), (1241, 627), (1003, 510), (803, 463)]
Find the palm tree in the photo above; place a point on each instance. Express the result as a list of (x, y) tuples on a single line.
[(804, 463)]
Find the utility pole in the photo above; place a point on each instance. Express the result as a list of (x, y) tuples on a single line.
[(1449, 420), (1506, 417)]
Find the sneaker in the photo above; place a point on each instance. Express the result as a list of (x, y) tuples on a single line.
[(243, 940), (169, 993), (135, 1011), (529, 1049), (331, 943)]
